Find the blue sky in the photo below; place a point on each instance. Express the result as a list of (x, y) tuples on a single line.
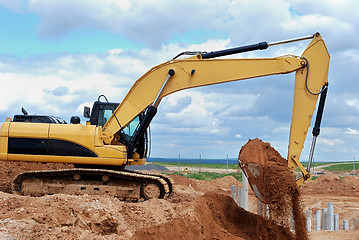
[(57, 56), (19, 36)]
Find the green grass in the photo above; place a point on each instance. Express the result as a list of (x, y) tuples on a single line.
[(208, 176), (316, 164), (220, 166), (196, 165), (345, 167), (305, 164)]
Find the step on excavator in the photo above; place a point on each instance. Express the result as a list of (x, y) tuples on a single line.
[(116, 135)]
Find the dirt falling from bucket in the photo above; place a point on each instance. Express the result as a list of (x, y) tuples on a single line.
[(276, 184)]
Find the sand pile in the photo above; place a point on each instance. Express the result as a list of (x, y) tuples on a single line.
[(348, 186), (198, 210), (78, 217), (10, 169), (276, 183), (216, 216), (202, 211), (219, 185)]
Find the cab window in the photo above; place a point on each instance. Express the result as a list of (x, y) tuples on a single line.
[(131, 127)]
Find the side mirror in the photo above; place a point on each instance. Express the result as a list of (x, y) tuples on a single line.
[(86, 112), (75, 120)]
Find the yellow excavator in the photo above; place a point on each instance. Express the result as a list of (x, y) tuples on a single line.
[(116, 135)]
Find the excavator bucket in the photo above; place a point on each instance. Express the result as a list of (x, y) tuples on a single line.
[(267, 171), (253, 172), (252, 159)]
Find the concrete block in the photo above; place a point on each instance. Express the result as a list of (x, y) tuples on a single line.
[(234, 193), (356, 223), (309, 213), (318, 220), (330, 216), (325, 218), (336, 222), (245, 203), (309, 220), (240, 197), (345, 224)]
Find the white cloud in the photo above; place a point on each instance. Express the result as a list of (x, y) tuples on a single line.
[(352, 131), (331, 142), (14, 5), (61, 83), (115, 51), (354, 103), (281, 129), (155, 22)]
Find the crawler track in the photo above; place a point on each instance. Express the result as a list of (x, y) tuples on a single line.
[(126, 185)]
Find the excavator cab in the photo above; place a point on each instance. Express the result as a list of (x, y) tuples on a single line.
[(102, 111)]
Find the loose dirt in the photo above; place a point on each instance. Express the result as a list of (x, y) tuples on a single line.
[(216, 216), (275, 183), (197, 210), (10, 169), (333, 184)]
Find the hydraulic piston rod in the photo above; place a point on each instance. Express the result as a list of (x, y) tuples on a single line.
[(316, 128), (252, 47)]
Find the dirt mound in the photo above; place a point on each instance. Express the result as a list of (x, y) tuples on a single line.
[(348, 186), (216, 216), (10, 169), (221, 185), (79, 217), (275, 183), (190, 213)]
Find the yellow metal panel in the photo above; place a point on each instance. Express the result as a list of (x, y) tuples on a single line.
[(112, 151), (66, 159), (139, 161), (4, 132), (76, 133), (3, 148), (29, 130), (97, 137), (4, 129)]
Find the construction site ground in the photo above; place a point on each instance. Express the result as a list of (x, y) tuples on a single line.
[(198, 210)]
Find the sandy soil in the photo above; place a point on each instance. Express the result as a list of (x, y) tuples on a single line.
[(175, 169), (198, 210), (343, 193)]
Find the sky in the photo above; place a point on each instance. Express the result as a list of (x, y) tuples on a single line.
[(57, 56)]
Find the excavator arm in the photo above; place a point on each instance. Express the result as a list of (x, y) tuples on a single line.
[(309, 83), (311, 75)]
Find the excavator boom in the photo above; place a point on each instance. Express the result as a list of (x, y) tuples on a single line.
[(190, 73), (311, 75)]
